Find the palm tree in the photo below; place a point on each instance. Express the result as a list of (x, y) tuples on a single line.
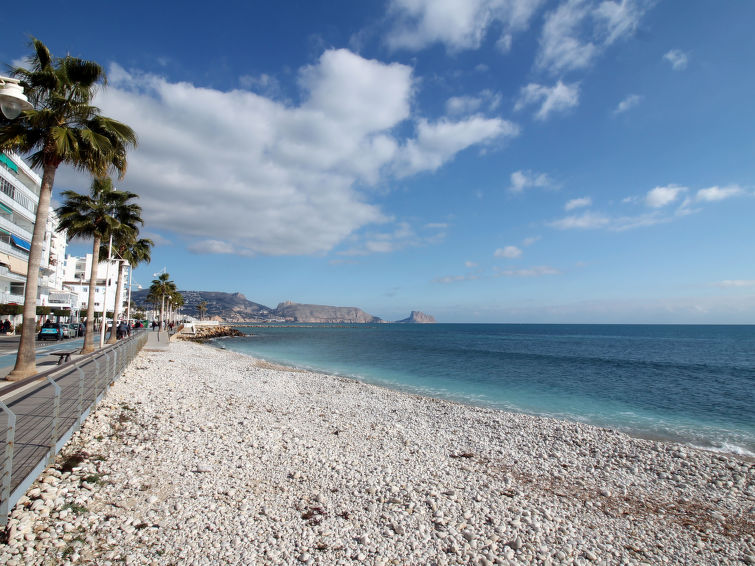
[(104, 212), (63, 127), (131, 250), (177, 300), (162, 287), (202, 308), (152, 299)]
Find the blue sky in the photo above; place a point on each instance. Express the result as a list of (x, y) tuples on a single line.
[(479, 160)]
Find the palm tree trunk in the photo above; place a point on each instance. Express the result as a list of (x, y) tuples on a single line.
[(113, 335), (89, 336), (26, 358)]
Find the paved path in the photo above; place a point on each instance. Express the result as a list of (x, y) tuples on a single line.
[(157, 341), (9, 349), (36, 404)]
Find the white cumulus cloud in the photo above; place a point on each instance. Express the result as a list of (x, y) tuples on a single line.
[(455, 278), (729, 283), (521, 180), (536, 271), (578, 203), (578, 31), (457, 24), (486, 100), (239, 172), (677, 58), (438, 142), (585, 220), (661, 196), (509, 252), (558, 98), (211, 247), (713, 194), (628, 103)]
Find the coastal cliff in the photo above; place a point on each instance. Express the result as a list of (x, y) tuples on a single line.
[(296, 312), (418, 317)]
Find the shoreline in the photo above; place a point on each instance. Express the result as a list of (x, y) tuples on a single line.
[(739, 452), (201, 455)]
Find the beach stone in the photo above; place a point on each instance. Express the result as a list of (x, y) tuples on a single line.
[(383, 488)]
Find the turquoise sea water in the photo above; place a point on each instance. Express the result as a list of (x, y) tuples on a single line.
[(694, 384)]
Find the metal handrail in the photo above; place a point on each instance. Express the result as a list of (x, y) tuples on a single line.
[(48, 408)]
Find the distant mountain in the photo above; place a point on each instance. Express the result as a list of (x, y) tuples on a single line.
[(228, 307), (295, 312), (235, 307), (419, 318)]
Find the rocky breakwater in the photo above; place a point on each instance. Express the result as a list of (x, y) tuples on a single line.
[(202, 334), (203, 456)]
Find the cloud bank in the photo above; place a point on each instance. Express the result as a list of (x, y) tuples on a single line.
[(238, 172)]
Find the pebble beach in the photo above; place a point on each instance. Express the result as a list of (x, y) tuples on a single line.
[(203, 456)]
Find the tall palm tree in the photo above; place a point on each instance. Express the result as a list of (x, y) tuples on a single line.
[(153, 300), (202, 308), (162, 287), (131, 250), (177, 300), (98, 215), (63, 127)]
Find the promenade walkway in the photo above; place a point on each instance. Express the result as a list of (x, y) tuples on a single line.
[(157, 341), (46, 351), (49, 409)]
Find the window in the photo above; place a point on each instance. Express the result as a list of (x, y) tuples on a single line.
[(17, 288)]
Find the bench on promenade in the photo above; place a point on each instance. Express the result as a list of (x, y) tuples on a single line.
[(64, 356)]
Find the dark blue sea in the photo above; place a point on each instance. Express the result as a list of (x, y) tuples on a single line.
[(693, 384)]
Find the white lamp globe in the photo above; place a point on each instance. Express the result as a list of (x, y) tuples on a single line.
[(12, 98)]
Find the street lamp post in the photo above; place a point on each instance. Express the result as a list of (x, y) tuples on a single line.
[(104, 300), (130, 284), (13, 101)]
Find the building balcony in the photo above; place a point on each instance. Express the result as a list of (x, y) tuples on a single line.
[(6, 298), (14, 228), (16, 190), (7, 275), (7, 248)]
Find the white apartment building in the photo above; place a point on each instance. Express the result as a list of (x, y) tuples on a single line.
[(19, 195), (76, 272), (63, 280)]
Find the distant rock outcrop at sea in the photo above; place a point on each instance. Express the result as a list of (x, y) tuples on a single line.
[(418, 317), (296, 312)]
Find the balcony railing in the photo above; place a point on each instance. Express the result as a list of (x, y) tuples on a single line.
[(6, 298), (16, 193)]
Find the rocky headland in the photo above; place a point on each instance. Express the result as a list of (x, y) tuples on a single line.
[(417, 317), (203, 456), (297, 312)]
